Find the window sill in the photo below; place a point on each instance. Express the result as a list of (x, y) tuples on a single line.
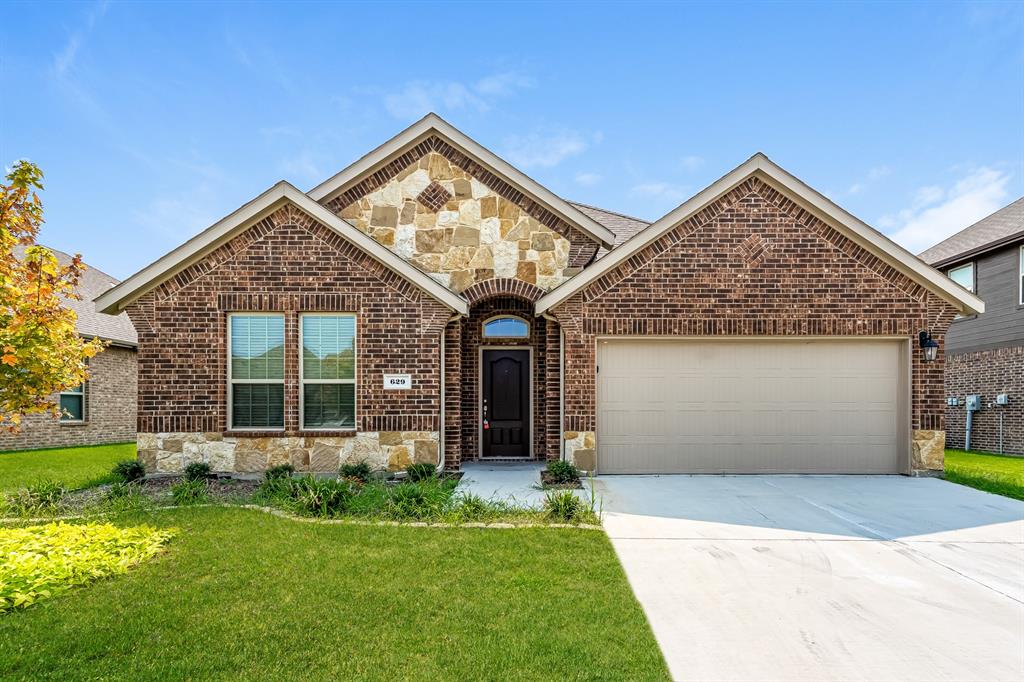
[(253, 433), (313, 433)]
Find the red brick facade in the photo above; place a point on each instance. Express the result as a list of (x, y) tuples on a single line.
[(753, 263), (705, 277), (286, 263), (110, 396), (987, 373)]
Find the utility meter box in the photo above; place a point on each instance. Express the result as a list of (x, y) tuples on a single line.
[(953, 401), (1002, 399), (973, 403)]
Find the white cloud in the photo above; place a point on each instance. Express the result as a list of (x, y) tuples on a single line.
[(588, 179), (691, 163), (302, 166), (544, 150), (417, 98), (64, 60), (659, 190), (873, 175), (503, 84), (936, 212)]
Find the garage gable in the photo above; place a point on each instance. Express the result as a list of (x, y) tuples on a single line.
[(810, 215), (756, 253)]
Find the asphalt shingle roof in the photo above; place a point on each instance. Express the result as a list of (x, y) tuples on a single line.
[(92, 283), (1001, 226), (622, 226)]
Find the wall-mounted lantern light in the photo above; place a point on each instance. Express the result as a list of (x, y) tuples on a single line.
[(929, 346)]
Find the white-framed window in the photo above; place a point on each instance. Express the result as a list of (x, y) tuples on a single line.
[(256, 371), (506, 327), (327, 371), (963, 275), (72, 405), (1020, 278)]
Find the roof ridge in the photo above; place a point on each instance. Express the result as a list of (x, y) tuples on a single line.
[(605, 210)]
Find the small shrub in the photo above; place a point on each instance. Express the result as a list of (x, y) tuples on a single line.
[(563, 472), (279, 471), (197, 471), (189, 492), (359, 470), (472, 507), (129, 470), (51, 559), (321, 496), (563, 505), (421, 472), (42, 496)]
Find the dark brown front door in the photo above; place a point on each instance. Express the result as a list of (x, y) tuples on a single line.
[(505, 407)]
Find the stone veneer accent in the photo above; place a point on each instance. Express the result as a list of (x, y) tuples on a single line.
[(928, 450), (475, 236), (169, 453), (581, 449)]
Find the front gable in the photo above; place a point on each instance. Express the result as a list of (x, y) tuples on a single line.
[(460, 214), (459, 230)]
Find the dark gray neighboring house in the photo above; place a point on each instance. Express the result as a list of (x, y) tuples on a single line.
[(985, 353), (103, 410)]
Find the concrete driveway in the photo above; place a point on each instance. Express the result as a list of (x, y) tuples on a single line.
[(823, 577)]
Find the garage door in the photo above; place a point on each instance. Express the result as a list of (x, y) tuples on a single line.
[(751, 406)]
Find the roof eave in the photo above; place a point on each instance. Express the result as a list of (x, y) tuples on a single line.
[(115, 300), (971, 254)]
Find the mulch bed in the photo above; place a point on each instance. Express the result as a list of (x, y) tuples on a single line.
[(548, 481)]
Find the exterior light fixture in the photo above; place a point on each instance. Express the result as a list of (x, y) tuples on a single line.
[(929, 346)]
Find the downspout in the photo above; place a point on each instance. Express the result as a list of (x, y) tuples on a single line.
[(561, 385), (440, 431)]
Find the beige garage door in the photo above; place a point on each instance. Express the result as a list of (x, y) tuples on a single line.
[(751, 406)]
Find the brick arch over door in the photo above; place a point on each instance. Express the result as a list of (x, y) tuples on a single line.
[(503, 286)]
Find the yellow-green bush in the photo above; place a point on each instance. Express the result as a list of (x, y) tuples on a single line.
[(38, 562)]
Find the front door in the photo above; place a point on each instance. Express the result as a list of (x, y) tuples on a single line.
[(505, 404)]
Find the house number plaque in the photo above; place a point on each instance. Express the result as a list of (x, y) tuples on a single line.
[(397, 382)]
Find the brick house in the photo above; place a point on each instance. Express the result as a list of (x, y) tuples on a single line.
[(102, 410), (985, 352), (431, 303)]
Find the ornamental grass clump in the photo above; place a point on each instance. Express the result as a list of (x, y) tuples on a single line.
[(189, 492), (421, 472), (41, 497), (38, 562)]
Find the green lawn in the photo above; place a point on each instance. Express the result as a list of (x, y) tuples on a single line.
[(74, 467), (992, 473), (245, 595)]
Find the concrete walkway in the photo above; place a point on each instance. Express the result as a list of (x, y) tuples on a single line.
[(823, 577), (517, 484)]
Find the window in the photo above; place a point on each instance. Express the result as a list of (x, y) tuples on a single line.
[(964, 276), (72, 404), (327, 369), (1020, 290), (507, 327), (256, 371)]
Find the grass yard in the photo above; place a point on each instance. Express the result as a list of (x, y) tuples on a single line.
[(74, 467), (991, 473), (244, 595)]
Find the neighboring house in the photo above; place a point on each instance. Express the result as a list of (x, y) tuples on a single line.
[(103, 409), (431, 303), (985, 353)]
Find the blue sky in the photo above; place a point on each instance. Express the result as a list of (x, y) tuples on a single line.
[(151, 121)]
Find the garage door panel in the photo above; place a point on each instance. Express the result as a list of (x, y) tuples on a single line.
[(748, 406)]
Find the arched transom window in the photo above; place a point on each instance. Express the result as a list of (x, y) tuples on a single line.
[(506, 327)]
